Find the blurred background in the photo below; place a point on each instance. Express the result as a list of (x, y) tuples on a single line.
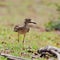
[(46, 13), (42, 11)]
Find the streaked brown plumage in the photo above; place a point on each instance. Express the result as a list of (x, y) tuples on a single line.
[(23, 29)]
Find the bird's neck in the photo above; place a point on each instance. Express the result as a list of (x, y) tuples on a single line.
[(26, 25)]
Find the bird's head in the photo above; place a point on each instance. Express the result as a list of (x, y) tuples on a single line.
[(29, 21)]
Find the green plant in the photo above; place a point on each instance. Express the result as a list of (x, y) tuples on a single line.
[(53, 25)]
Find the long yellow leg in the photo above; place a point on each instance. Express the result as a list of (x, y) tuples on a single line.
[(18, 37), (23, 40)]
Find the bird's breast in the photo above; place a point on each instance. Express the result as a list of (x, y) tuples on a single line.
[(23, 31)]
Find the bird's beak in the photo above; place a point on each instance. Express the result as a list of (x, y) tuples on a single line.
[(33, 22)]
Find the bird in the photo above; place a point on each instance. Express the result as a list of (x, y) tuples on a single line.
[(23, 29)]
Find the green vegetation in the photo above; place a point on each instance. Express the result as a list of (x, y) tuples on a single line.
[(15, 11), (53, 25), (34, 39)]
